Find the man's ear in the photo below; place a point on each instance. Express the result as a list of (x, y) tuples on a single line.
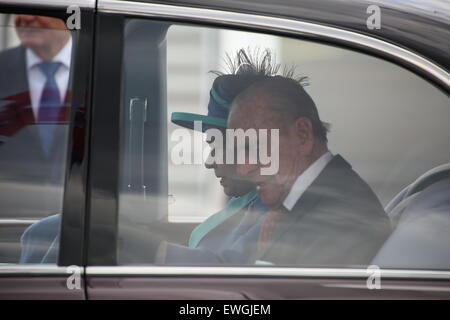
[(304, 131)]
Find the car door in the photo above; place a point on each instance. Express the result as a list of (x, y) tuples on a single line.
[(43, 157), (152, 60)]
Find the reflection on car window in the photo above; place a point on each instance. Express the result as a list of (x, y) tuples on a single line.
[(35, 69), (284, 152)]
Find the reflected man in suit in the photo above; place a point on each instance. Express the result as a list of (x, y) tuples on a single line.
[(34, 114)]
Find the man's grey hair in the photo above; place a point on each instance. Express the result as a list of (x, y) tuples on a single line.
[(288, 100)]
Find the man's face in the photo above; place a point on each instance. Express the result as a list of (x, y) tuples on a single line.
[(233, 185), (38, 31), (272, 188)]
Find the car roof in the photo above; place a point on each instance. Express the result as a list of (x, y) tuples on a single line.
[(422, 26)]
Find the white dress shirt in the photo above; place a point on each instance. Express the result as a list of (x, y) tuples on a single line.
[(306, 179), (37, 79)]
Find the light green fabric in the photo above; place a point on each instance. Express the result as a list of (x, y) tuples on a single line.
[(233, 206)]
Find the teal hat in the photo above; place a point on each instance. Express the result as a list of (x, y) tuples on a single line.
[(224, 89)]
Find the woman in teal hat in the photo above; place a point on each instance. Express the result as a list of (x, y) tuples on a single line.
[(223, 91)]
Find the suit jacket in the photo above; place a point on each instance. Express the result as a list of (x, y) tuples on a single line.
[(25, 169), (338, 221)]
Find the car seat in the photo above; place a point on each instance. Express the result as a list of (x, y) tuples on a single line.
[(420, 215)]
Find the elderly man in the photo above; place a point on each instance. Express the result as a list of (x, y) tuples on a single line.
[(322, 212)]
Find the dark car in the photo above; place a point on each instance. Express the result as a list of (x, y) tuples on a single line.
[(79, 218)]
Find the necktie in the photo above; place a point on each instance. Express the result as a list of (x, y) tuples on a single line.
[(269, 223), (49, 104)]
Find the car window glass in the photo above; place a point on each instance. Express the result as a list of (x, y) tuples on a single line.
[(354, 131), (35, 99)]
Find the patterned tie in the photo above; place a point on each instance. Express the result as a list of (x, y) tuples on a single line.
[(268, 225), (49, 105)]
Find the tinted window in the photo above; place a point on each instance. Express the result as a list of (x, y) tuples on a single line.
[(35, 99), (324, 204)]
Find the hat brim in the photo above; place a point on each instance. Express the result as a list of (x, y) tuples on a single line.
[(187, 120)]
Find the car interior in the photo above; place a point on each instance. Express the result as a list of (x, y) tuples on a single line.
[(420, 216), (419, 211)]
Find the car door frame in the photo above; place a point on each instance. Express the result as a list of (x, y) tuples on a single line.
[(65, 280)]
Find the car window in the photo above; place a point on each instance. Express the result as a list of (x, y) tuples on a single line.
[(36, 66), (337, 135)]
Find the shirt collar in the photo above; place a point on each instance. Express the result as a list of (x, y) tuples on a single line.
[(304, 180), (64, 56)]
